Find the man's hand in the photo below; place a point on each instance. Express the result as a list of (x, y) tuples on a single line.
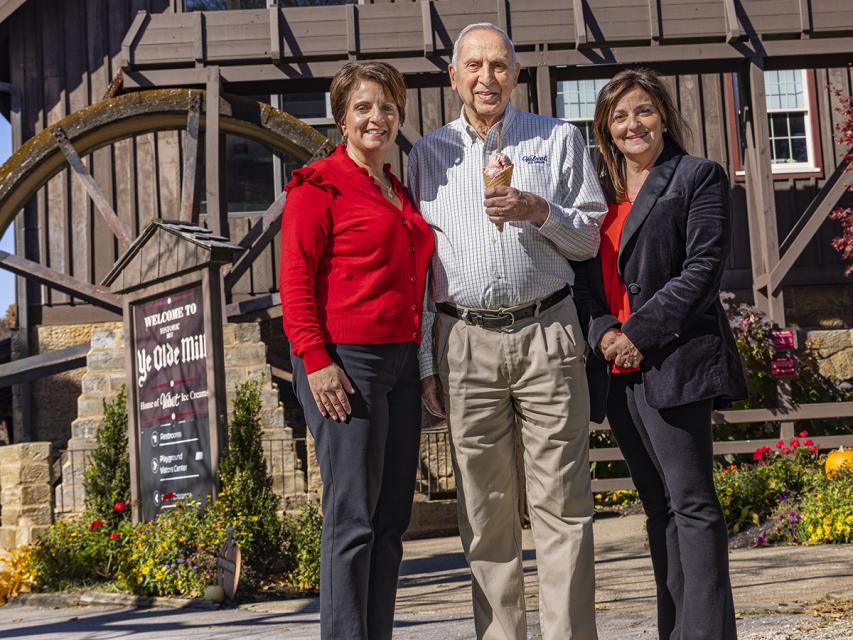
[(623, 352), (328, 385), (431, 396), (507, 204)]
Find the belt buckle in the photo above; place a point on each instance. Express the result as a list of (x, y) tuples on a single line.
[(510, 314)]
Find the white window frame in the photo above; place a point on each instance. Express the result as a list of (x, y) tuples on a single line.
[(798, 167)]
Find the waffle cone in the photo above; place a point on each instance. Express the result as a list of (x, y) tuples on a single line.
[(503, 179)]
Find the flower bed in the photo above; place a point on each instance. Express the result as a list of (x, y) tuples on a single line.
[(786, 493)]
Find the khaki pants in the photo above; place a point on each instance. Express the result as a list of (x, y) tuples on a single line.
[(529, 378)]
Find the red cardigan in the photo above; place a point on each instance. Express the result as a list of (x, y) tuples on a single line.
[(353, 266)]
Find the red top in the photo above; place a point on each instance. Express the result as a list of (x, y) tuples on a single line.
[(614, 288), (353, 266)]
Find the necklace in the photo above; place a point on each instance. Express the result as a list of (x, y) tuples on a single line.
[(387, 191)]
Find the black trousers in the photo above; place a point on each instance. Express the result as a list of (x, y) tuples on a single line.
[(368, 466), (669, 453)]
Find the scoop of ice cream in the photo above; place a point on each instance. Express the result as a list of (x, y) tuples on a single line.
[(497, 162)]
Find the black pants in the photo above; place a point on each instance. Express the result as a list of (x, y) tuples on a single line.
[(669, 453), (368, 466)]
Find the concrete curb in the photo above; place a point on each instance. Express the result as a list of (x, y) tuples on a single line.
[(87, 598)]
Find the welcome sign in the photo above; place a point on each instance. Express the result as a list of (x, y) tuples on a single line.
[(170, 374)]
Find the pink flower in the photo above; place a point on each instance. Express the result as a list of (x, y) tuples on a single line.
[(779, 444), (115, 536), (119, 506), (814, 449), (786, 450), (808, 443), (95, 525), (795, 442), (803, 434)]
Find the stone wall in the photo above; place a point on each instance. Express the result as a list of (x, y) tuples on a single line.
[(26, 508), (54, 398), (833, 350), (245, 360)]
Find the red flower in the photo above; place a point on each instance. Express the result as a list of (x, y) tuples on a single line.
[(814, 449), (779, 444), (119, 506), (115, 536), (808, 443), (786, 450), (803, 434), (170, 496), (795, 442), (760, 453), (96, 524)]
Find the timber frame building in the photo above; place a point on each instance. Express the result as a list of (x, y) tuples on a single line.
[(755, 79)]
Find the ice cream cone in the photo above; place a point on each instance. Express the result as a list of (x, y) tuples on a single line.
[(503, 179)]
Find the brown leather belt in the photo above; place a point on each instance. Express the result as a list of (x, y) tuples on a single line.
[(501, 319)]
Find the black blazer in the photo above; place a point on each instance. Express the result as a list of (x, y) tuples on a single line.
[(671, 258)]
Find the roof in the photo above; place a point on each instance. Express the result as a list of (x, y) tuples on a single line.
[(180, 247)]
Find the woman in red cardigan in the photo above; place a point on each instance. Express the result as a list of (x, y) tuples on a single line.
[(355, 254)]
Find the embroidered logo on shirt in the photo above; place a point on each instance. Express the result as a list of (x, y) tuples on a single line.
[(534, 159)]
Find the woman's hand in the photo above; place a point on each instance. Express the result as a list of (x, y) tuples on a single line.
[(607, 340), (622, 351), (328, 386)]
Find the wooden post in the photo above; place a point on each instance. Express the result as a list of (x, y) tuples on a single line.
[(761, 209), (214, 160), (544, 98)]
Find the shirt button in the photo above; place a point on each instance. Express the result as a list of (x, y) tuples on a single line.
[(415, 335), (497, 276), (411, 249), (413, 279), (414, 307)]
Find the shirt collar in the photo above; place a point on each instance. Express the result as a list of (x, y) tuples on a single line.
[(503, 125), (341, 157)]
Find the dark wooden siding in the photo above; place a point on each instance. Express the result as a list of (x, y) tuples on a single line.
[(63, 54)]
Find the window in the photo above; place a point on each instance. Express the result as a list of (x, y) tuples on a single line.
[(576, 103), (789, 122), (791, 125)]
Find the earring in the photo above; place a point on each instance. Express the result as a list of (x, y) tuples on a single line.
[(665, 129)]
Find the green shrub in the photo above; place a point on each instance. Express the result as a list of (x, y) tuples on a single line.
[(107, 480), (305, 532), (247, 500), (78, 552)]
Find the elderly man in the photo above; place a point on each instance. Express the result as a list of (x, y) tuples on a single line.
[(508, 354)]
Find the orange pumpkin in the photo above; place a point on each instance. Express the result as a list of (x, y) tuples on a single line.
[(837, 459)]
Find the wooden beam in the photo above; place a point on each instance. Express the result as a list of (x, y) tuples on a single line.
[(214, 158), (351, 12), (734, 32), (544, 97), (258, 305), (275, 33), (128, 44), (814, 411), (807, 226), (761, 206), (654, 21), (580, 23), (43, 364), (81, 173), (189, 187), (426, 26), (259, 236), (61, 282)]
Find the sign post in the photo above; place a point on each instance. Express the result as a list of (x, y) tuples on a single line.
[(173, 314)]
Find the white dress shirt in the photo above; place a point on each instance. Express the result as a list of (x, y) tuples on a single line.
[(474, 264)]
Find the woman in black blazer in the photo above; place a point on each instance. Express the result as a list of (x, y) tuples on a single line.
[(662, 354)]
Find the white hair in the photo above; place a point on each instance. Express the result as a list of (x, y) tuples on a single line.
[(482, 26)]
